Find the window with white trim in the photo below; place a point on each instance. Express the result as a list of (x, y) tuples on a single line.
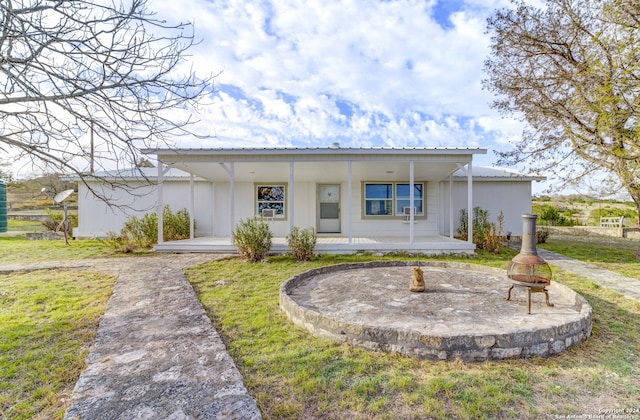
[(271, 196), (391, 198), (403, 198)]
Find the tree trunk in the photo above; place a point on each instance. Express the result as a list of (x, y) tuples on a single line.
[(637, 201)]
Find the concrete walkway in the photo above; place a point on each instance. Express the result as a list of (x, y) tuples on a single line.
[(626, 286), (156, 354)]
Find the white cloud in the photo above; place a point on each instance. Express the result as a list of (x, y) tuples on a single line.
[(364, 73), (396, 74)]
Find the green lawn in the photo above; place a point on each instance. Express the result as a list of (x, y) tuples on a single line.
[(48, 319), (293, 374), (615, 254), (47, 322), (15, 249), (24, 226)]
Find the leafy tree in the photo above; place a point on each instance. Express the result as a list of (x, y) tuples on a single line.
[(553, 216), (571, 68), (75, 70)]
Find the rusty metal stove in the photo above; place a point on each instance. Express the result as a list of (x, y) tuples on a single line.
[(528, 269)]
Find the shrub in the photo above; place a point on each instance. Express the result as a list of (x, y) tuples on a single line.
[(302, 242), (119, 243), (480, 225), (54, 219), (142, 232), (551, 215), (253, 238), (176, 226), (486, 235), (541, 236), (493, 235)]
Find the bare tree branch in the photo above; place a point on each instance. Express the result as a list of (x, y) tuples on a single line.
[(69, 65), (572, 70)]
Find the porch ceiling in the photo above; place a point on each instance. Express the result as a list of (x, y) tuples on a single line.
[(318, 171), (318, 164)]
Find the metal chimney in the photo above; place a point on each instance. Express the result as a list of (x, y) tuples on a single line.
[(528, 266), (528, 269)]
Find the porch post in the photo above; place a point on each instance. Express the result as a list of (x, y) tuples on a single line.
[(451, 205), (411, 201), (470, 202), (191, 207), (349, 202), (290, 210), (213, 209), (232, 196), (160, 203), (232, 199)]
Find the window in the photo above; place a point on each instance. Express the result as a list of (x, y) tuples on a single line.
[(378, 199), (391, 198), (403, 198), (271, 197)]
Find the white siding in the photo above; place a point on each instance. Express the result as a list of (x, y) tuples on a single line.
[(245, 207), (305, 211), (176, 195), (395, 226), (211, 208), (96, 218), (304, 205), (513, 198)]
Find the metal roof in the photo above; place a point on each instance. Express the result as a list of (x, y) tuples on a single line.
[(134, 174), (493, 173), (479, 173), (316, 150)]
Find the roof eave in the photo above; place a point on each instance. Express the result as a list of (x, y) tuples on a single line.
[(318, 151), (497, 178)]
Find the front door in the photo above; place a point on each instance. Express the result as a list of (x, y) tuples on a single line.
[(329, 208)]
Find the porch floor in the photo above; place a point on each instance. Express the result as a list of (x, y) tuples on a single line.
[(328, 244)]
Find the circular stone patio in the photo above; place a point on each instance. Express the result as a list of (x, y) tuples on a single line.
[(463, 314)]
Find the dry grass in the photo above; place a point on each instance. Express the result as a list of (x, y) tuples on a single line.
[(616, 254), (293, 374), (16, 249), (48, 318), (47, 322)]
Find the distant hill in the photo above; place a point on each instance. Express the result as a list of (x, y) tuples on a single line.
[(584, 210), (27, 194)]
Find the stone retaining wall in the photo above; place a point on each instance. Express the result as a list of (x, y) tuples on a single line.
[(633, 233), (542, 342)]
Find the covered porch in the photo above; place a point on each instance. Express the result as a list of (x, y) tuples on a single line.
[(372, 200), (432, 245)]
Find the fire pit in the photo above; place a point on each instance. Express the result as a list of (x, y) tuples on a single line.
[(528, 269), (461, 315)]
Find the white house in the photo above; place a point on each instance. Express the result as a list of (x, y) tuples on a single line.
[(495, 190), (355, 198), (120, 194)]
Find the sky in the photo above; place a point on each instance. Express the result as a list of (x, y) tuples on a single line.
[(397, 73), (362, 73)]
